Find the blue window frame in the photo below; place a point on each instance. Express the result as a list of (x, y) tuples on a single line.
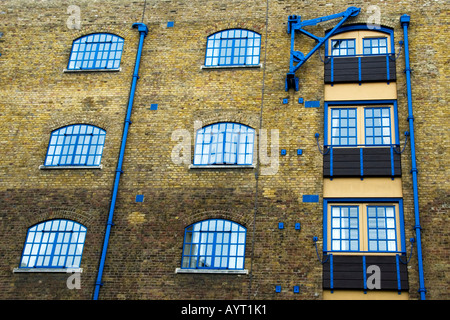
[(97, 51), (377, 225), (214, 244), (343, 126), (377, 126), (235, 47), (375, 46), (75, 145), (224, 143), (54, 244), (345, 228), (381, 228), (369, 46), (343, 47)]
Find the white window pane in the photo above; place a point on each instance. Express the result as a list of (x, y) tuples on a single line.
[(381, 234), (390, 223), (391, 234), (240, 263), (345, 245), (392, 246), (336, 234), (389, 212), (336, 245), (336, 223)]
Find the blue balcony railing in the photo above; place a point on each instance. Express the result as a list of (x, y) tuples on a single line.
[(362, 161)]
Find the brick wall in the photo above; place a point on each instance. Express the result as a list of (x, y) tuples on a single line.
[(145, 247)]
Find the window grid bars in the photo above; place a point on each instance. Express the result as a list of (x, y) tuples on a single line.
[(345, 228), (343, 47), (381, 228), (54, 244), (377, 126), (202, 253), (375, 46), (96, 51), (343, 126), (224, 143), (75, 145), (229, 48)]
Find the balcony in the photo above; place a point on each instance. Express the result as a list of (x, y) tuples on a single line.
[(351, 69), (351, 272), (362, 161)]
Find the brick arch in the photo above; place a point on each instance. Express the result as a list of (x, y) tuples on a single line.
[(232, 215), (60, 122), (75, 214), (127, 33), (221, 26), (89, 29), (365, 19), (220, 115)]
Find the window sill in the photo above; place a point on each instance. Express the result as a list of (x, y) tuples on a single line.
[(211, 271), (47, 270), (232, 166), (43, 167), (232, 67), (91, 70)]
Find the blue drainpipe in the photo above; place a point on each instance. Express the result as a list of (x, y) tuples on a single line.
[(143, 31), (404, 20)]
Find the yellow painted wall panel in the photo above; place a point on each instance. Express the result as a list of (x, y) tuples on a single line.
[(366, 188), (360, 295)]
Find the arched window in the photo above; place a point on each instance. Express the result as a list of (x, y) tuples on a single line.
[(360, 40), (54, 244), (360, 54), (224, 143), (214, 244), (75, 145), (235, 47), (97, 51)]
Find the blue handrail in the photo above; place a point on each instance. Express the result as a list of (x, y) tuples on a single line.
[(392, 148)]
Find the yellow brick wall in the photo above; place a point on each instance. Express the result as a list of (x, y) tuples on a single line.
[(36, 97)]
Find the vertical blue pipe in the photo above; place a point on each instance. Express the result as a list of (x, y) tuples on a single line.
[(404, 20), (331, 162), (364, 274), (332, 70), (143, 31), (387, 69), (399, 283), (392, 162), (359, 71), (331, 274), (361, 162)]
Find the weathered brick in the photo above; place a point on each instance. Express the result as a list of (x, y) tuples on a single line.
[(145, 247)]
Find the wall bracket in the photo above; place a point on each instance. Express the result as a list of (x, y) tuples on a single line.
[(297, 58)]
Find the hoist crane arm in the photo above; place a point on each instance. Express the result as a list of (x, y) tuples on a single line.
[(295, 24)]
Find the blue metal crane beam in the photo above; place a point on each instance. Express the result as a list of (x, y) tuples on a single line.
[(296, 25)]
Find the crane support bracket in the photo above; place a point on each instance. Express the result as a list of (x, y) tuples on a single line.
[(296, 25)]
